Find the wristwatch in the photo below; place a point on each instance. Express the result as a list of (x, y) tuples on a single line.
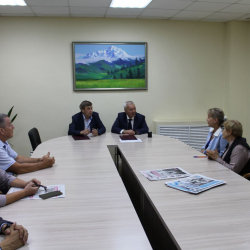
[(7, 226)]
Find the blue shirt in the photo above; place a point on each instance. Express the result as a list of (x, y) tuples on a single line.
[(7, 155), (217, 142), (87, 123)]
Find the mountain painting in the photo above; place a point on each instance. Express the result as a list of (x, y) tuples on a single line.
[(109, 66)]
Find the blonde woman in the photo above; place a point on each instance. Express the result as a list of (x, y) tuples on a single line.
[(237, 154)]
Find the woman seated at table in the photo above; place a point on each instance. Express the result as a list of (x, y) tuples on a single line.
[(215, 119), (7, 181), (237, 154)]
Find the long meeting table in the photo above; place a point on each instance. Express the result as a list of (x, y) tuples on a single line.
[(110, 205)]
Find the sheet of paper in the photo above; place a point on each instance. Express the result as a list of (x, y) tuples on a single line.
[(125, 141), (50, 188)]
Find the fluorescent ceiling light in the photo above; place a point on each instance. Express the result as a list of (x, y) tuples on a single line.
[(129, 3), (13, 2)]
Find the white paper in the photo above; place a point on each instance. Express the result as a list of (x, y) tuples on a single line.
[(50, 188), (138, 140)]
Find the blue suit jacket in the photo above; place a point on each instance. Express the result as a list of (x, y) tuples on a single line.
[(121, 122), (77, 124)]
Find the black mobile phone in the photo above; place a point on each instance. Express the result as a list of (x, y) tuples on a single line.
[(51, 194)]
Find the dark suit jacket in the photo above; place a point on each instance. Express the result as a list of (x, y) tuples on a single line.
[(4, 221), (77, 124), (121, 122)]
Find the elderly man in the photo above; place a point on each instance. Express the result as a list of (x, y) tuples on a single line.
[(16, 235), (130, 122), (12, 162), (86, 122)]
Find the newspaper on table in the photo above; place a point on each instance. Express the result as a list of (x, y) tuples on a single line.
[(195, 184), (163, 174), (50, 188)]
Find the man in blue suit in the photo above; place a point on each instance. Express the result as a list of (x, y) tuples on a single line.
[(87, 121), (130, 122)]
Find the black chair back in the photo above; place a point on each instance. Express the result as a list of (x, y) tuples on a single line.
[(35, 139)]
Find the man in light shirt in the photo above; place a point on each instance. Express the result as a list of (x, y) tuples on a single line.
[(12, 162)]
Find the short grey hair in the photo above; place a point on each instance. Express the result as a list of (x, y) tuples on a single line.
[(127, 103), (218, 114), (2, 120)]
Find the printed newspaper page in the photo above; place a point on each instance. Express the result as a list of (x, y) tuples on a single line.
[(163, 174), (50, 188), (195, 183)]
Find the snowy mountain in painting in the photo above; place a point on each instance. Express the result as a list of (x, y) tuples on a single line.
[(111, 54)]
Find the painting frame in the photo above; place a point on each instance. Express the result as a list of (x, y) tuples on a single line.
[(106, 66)]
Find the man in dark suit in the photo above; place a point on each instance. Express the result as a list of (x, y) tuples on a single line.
[(130, 122), (87, 121)]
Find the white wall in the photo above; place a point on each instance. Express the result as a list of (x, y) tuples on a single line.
[(187, 70)]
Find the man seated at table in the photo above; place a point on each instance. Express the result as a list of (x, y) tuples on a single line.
[(12, 162), (16, 235), (86, 122), (130, 122), (7, 181)]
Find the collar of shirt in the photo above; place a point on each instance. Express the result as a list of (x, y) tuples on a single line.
[(132, 119), (84, 118), (3, 145), (217, 132)]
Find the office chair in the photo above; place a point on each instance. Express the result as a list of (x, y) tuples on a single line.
[(247, 176), (35, 139)]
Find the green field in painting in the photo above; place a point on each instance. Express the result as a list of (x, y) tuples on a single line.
[(111, 83)]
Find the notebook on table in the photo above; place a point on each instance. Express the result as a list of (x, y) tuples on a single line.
[(80, 137)]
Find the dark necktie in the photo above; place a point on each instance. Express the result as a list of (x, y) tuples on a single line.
[(129, 124)]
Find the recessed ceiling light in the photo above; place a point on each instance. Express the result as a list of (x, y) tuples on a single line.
[(13, 2), (129, 3)]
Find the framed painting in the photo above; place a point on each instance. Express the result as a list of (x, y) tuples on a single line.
[(109, 66)]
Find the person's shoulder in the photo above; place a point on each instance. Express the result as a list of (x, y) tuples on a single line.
[(77, 115), (140, 115), (95, 113)]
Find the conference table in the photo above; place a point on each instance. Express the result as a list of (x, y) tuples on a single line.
[(109, 204)]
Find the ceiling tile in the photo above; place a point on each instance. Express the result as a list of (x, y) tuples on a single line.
[(85, 15), (244, 2), (50, 10), (52, 15), (90, 3), (168, 4), (218, 1), (225, 16), (202, 6), (159, 13), (184, 19), (214, 20), (244, 18), (47, 2), (15, 9), (154, 17), (123, 11), (133, 17), (193, 14), (237, 8), (17, 14), (88, 11)]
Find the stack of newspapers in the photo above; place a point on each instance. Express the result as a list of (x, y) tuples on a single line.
[(195, 184)]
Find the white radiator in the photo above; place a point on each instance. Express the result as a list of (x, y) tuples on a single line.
[(193, 135)]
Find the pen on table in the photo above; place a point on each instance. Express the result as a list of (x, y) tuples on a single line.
[(38, 185), (200, 156)]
